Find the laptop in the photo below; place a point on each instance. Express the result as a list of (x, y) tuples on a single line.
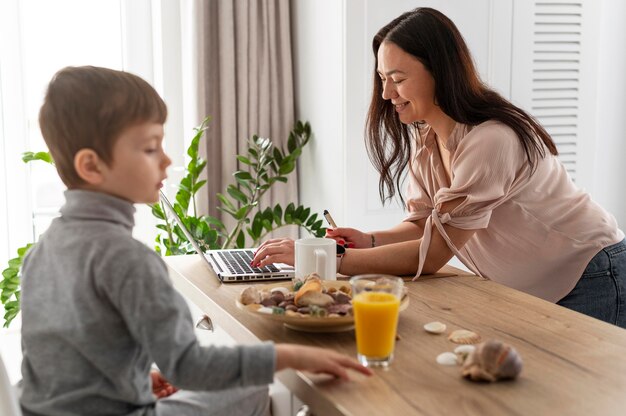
[(232, 265)]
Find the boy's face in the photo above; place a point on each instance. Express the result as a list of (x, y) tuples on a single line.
[(138, 167)]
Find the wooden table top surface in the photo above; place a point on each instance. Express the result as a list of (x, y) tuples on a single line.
[(573, 364)]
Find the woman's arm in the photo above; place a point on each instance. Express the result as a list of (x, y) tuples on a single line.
[(402, 258), (405, 231), (354, 238)]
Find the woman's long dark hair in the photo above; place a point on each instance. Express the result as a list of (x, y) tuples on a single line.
[(432, 38)]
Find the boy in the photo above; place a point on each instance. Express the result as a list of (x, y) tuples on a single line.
[(98, 307)]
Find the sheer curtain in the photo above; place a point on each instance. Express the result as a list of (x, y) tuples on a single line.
[(246, 85)]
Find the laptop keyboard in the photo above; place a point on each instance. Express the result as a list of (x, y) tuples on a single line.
[(238, 262)]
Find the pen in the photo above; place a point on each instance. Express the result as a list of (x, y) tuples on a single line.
[(329, 219)]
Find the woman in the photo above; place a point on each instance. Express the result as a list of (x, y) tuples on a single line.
[(484, 182)]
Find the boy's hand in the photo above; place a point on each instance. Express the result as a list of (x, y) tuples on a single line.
[(160, 386), (316, 360)]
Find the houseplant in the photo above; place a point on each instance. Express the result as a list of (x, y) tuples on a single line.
[(264, 164)]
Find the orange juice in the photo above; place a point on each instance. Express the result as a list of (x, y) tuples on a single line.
[(375, 320)]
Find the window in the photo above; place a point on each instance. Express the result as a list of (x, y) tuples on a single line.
[(39, 37)]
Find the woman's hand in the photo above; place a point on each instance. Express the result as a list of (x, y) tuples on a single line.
[(350, 237), (277, 250), (160, 386)]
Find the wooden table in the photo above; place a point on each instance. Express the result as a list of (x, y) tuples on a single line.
[(573, 364)]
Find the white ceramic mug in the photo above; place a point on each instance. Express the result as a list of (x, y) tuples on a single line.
[(316, 255)]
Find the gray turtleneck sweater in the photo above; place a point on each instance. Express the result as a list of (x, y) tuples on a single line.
[(98, 309)]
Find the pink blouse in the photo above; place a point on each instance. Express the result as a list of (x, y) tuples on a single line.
[(535, 234)]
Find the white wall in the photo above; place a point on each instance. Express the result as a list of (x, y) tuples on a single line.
[(318, 70), (609, 173)]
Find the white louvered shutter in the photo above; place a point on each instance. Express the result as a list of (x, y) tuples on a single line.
[(548, 65)]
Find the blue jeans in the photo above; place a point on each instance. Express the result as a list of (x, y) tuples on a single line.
[(601, 291)]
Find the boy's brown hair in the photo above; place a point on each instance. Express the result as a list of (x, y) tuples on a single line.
[(90, 107)]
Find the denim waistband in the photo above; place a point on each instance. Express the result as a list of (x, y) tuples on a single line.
[(615, 248)]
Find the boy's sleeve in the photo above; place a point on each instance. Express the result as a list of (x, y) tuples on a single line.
[(158, 318)]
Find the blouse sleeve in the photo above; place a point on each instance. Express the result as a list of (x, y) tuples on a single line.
[(488, 168)]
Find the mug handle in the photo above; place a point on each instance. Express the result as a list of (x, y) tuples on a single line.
[(320, 262)]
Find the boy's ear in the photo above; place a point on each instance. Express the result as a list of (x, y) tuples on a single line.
[(88, 166)]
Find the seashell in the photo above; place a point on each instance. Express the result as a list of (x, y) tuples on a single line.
[(268, 302), (291, 307), (463, 336), (277, 297), (289, 312), (280, 289), (341, 297), (341, 309), (463, 351), (250, 295), (435, 327), (312, 284), (312, 298), (491, 361), (448, 358)]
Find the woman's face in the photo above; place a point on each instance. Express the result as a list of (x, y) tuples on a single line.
[(407, 84)]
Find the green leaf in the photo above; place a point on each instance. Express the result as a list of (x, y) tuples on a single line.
[(157, 211), (244, 159), (9, 273), (286, 167), (257, 226), (304, 214), (278, 214), (241, 240), (311, 220), (21, 252), (241, 212), (226, 202), (291, 142), (43, 156), (245, 185), (237, 194), (290, 209), (278, 155), (298, 212), (198, 185), (243, 175), (212, 221)]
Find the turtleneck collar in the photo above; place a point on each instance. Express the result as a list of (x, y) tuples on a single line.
[(91, 205)]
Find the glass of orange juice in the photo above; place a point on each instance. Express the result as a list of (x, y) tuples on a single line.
[(376, 305)]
